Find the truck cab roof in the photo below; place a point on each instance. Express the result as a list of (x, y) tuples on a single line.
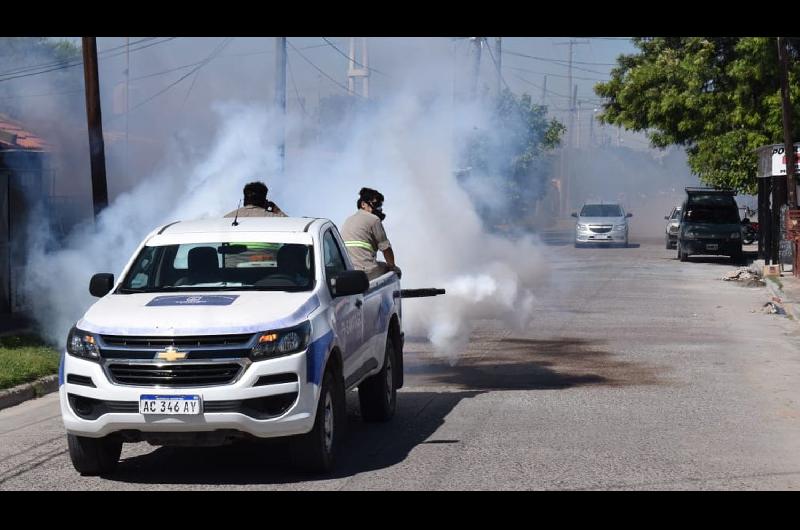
[(278, 229)]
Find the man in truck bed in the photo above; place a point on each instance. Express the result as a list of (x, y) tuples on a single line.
[(364, 235)]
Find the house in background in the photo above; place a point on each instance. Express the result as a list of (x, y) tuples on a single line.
[(25, 177)]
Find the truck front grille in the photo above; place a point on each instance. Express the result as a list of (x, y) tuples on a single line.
[(175, 374), (204, 341)]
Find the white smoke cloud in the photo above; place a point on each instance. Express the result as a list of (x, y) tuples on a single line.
[(405, 149)]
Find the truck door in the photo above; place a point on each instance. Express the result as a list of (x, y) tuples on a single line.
[(347, 310)]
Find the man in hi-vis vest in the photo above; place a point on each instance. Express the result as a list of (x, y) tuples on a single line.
[(364, 236)]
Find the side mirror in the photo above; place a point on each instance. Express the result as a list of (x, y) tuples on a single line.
[(574, 214), (628, 215), (101, 284), (666, 217), (348, 283)]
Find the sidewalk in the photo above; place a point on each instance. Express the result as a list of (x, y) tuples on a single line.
[(785, 291)]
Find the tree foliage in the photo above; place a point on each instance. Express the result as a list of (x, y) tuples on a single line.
[(21, 83), (519, 134), (719, 97)]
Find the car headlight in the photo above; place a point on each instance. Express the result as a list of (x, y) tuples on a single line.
[(690, 234), (277, 343), (736, 235), (83, 344), (583, 227), (619, 227)]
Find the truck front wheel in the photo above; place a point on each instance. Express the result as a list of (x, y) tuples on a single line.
[(315, 451), (94, 456), (377, 395)]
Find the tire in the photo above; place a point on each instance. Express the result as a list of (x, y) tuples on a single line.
[(377, 394), (669, 245), (94, 456), (315, 451), (682, 256)]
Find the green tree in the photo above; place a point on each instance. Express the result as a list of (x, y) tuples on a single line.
[(19, 81), (719, 97)]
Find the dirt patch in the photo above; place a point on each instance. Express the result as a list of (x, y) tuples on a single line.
[(525, 364)]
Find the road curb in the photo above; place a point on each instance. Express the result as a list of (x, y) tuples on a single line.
[(16, 395)]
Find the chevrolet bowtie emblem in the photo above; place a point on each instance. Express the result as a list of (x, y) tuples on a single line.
[(171, 354)]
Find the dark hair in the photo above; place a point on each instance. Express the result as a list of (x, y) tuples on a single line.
[(368, 195), (255, 193)]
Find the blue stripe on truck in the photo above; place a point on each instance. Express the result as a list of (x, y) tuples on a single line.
[(61, 370), (315, 357)]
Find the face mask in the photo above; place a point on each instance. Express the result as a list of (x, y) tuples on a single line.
[(379, 213)]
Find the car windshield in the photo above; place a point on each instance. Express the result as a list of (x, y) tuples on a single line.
[(601, 210), (240, 266), (707, 213), (676, 215)]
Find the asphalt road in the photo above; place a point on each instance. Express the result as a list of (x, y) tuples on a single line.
[(640, 372)]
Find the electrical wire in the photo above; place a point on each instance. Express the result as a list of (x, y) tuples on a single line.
[(63, 62), (297, 92), (559, 62), (354, 60), (77, 62), (204, 62), (318, 69)]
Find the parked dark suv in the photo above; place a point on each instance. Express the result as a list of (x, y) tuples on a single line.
[(710, 224)]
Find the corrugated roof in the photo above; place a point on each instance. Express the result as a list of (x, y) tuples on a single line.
[(14, 136)]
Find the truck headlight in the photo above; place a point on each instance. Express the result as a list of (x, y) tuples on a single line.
[(736, 235), (82, 344), (281, 342)]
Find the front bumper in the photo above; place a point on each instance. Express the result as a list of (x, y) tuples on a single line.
[(298, 418), (712, 247), (614, 236)]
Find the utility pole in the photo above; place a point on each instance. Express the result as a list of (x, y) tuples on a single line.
[(280, 98), (591, 128), (571, 122), (357, 70), (127, 102), (544, 90), (476, 66), (783, 57), (94, 120), (498, 50)]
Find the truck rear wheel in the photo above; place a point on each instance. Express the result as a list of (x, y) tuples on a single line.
[(94, 456), (316, 450), (377, 395)]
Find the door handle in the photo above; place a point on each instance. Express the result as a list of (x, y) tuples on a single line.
[(359, 303)]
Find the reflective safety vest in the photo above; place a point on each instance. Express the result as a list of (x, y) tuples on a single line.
[(360, 244)]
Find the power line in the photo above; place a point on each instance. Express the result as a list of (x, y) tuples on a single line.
[(503, 79), (78, 62), (557, 61), (318, 69), (204, 62), (554, 75), (354, 60), (63, 62), (297, 92)]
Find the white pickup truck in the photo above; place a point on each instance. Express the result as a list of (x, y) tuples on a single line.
[(216, 332)]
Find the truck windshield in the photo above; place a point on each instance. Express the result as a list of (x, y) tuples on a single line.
[(601, 210), (244, 266)]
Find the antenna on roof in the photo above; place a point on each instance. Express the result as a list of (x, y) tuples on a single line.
[(235, 217)]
